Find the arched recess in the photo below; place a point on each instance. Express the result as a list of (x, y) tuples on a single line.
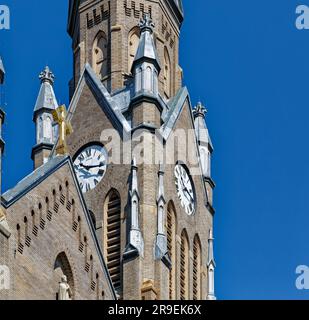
[(171, 227), (197, 270), (112, 237), (62, 267), (167, 74), (134, 36), (184, 266), (99, 55)]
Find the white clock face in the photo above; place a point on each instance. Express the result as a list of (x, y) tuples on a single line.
[(185, 189), (90, 166)]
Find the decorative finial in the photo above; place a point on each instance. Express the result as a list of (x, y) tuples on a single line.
[(47, 76), (65, 129), (146, 23), (199, 110)]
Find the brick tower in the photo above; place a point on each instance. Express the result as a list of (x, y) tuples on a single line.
[(151, 205)]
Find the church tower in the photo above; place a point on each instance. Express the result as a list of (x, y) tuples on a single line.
[(141, 155), (46, 130)]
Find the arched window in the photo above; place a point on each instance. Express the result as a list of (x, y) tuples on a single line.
[(133, 45), (112, 237), (171, 246), (62, 268), (167, 74), (184, 267), (48, 129), (40, 128), (197, 263), (99, 55)]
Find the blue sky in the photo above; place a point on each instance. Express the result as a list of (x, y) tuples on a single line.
[(250, 65)]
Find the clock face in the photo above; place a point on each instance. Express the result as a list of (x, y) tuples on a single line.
[(90, 166), (185, 189)]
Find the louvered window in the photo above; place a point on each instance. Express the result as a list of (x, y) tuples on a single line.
[(171, 245), (184, 267), (196, 269), (112, 238)]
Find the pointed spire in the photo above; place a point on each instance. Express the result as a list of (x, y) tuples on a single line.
[(46, 129), (161, 251), (201, 130), (46, 98), (146, 49), (2, 72), (136, 243)]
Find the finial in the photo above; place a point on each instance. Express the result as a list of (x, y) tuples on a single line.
[(146, 23), (47, 76), (65, 129), (199, 110)]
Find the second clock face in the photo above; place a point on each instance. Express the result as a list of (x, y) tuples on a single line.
[(90, 166), (185, 189)]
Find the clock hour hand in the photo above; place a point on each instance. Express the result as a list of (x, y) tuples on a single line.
[(101, 164)]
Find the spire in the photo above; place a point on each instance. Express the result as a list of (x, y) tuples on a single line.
[(46, 129), (203, 138), (146, 49), (2, 72), (136, 243), (161, 252), (46, 99)]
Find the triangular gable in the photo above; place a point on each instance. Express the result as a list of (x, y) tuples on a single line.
[(175, 108), (36, 178), (103, 97)]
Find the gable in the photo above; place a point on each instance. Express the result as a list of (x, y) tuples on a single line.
[(101, 96), (48, 217)]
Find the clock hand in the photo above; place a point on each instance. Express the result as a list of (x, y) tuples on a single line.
[(101, 164)]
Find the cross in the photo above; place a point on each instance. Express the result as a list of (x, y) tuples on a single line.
[(65, 129)]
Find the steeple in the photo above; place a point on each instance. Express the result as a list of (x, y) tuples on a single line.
[(146, 66), (146, 69), (46, 130)]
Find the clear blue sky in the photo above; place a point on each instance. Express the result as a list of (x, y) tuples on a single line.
[(250, 65)]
